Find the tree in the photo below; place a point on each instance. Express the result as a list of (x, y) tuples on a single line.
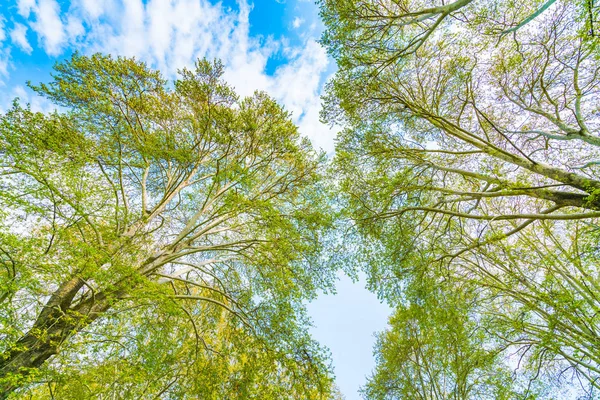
[(433, 350), (158, 240), (472, 159)]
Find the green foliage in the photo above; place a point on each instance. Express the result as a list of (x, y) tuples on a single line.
[(467, 167), (435, 350), (158, 240)]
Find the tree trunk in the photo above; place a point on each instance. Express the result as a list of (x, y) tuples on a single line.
[(59, 320), (56, 323)]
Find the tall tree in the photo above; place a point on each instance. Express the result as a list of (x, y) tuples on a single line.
[(471, 158), (158, 240)]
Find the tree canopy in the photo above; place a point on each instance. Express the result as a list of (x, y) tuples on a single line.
[(468, 164), (158, 239)]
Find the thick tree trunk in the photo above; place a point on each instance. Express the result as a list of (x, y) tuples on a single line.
[(29, 353), (55, 323), (59, 320)]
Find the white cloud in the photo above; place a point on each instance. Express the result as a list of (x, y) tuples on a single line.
[(2, 32), (4, 61), (74, 27), (24, 7), (93, 9), (19, 37), (49, 26), (4, 52), (297, 22)]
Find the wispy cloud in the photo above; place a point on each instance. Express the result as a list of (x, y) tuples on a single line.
[(4, 50), (18, 35), (2, 31), (49, 26), (24, 7)]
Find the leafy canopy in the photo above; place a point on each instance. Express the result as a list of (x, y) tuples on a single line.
[(468, 165), (158, 239)]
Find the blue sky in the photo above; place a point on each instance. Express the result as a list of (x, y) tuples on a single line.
[(267, 45)]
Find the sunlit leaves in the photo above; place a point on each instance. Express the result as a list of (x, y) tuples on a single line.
[(160, 238)]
